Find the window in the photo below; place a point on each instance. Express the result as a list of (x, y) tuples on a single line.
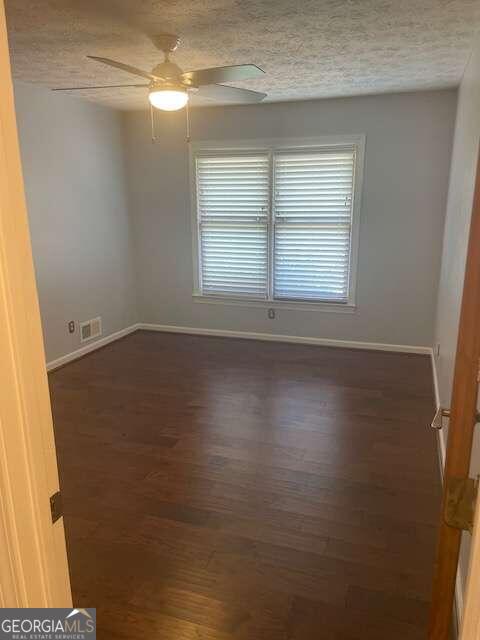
[(233, 213), (279, 223)]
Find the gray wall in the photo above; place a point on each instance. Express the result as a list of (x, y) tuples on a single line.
[(77, 160), (74, 171), (408, 149), (457, 223)]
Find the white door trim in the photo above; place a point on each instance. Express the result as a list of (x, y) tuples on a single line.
[(33, 560)]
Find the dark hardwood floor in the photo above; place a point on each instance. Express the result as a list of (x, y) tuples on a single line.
[(220, 489)]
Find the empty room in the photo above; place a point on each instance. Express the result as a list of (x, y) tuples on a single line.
[(240, 319)]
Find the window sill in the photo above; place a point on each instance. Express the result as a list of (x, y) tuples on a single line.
[(329, 307)]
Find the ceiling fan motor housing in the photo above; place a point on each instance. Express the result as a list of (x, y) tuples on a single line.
[(168, 70)]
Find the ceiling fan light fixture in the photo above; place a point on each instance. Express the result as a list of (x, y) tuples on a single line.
[(168, 98), (169, 85)]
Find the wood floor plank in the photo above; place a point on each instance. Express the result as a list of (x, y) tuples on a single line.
[(219, 489)]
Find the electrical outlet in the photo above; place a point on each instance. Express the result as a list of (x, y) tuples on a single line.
[(271, 314), (71, 326), (437, 350)]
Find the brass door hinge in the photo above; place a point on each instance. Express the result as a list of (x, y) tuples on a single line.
[(56, 506), (440, 413), (461, 496)]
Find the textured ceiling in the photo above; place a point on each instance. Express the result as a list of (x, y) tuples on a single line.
[(308, 48)]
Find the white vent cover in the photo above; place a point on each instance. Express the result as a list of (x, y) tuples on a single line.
[(90, 329)]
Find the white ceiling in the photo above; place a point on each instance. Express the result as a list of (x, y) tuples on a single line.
[(308, 48)]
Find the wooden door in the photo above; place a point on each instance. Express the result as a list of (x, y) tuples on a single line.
[(33, 560), (463, 413)]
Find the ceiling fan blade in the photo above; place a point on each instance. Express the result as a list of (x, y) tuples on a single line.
[(105, 86), (125, 67), (230, 94), (222, 74)]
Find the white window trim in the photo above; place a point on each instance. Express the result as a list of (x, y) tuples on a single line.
[(270, 146)]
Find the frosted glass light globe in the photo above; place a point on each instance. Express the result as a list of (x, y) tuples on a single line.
[(168, 99)]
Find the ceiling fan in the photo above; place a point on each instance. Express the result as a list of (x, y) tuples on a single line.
[(169, 86)]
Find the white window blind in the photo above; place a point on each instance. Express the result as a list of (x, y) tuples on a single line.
[(278, 224), (313, 193), (233, 215)]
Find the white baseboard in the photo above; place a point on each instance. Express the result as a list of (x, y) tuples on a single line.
[(274, 337), (442, 452), (78, 353), (247, 335)]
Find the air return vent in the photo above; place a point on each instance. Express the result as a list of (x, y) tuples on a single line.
[(90, 329)]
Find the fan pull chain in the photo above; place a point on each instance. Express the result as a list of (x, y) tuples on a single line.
[(188, 124), (152, 123)]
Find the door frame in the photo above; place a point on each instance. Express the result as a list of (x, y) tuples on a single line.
[(461, 430), (33, 558)]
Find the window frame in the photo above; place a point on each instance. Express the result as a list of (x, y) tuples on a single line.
[(270, 146)]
